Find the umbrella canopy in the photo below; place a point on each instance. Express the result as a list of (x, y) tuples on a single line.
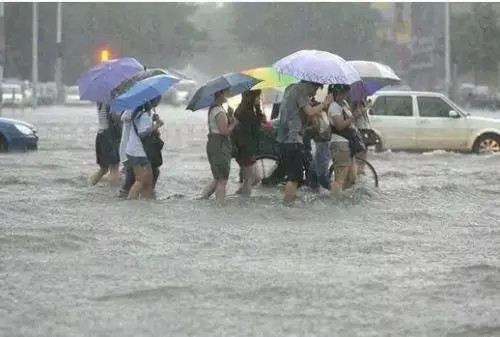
[(96, 84), (318, 66), (128, 83), (374, 75), (143, 91), (270, 78), (375, 70), (236, 83)]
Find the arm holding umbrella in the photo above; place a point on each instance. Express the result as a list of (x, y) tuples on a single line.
[(317, 109)]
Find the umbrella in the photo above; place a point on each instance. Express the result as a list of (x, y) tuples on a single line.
[(374, 75), (318, 66), (143, 91), (96, 84), (236, 83), (270, 78), (128, 83)]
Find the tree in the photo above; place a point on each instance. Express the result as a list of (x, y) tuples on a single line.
[(157, 34), (223, 53), (18, 40), (278, 29), (474, 39)]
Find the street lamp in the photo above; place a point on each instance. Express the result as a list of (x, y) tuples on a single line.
[(104, 55)]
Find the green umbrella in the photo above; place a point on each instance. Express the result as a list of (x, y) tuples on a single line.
[(270, 78)]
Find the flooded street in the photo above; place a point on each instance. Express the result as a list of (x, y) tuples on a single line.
[(418, 257)]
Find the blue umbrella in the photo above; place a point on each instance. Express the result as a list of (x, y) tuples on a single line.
[(96, 84), (142, 92), (235, 83)]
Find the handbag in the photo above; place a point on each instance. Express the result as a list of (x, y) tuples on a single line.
[(152, 145), (355, 138)]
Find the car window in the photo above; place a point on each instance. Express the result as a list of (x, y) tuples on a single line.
[(393, 106), (11, 88), (433, 107)]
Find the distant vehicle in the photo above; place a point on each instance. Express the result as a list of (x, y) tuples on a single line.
[(176, 97), (412, 120), (16, 135), (47, 93), (188, 86), (182, 91), (72, 96), (12, 94)]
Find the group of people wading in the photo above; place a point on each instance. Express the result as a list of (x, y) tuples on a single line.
[(132, 138), (331, 124)]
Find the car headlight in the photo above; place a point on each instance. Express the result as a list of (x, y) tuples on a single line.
[(23, 129)]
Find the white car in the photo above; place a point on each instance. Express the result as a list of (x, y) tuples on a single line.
[(72, 96), (410, 120), (12, 94)]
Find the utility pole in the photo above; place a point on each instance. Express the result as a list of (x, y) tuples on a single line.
[(34, 66), (2, 48), (58, 69), (447, 52)]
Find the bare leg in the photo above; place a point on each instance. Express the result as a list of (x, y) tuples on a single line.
[(257, 177), (96, 177), (114, 175), (209, 190), (147, 190), (249, 179), (361, 164), (220, 192), (143, 182), (128, 182), (338, 183), (291, 191), (135, 190), (351, 177)]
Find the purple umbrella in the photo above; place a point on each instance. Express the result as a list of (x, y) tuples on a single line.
[(96, 84), (317, 66)]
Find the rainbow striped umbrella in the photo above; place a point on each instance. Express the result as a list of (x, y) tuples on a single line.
[(270, 78)]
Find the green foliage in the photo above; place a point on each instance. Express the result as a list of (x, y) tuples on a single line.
[(157, 34), (278, 29), (474, 39)]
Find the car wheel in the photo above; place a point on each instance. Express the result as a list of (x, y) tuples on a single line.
[(489, 142), (4, 145)]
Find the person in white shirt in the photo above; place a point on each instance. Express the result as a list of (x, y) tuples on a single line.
[(341, 118), (126, 119), (141, 123), (155, 144)]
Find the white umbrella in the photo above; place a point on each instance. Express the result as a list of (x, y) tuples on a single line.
[(375, 70), (318, 66), (374, 75)]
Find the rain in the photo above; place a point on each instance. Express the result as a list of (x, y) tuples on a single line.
[(411, 249)]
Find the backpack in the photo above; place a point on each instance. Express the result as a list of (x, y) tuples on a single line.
[(152, 145)]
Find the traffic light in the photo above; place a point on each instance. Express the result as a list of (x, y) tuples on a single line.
[(104, 55)]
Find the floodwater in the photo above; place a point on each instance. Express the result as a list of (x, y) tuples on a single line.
[(418, 257)]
